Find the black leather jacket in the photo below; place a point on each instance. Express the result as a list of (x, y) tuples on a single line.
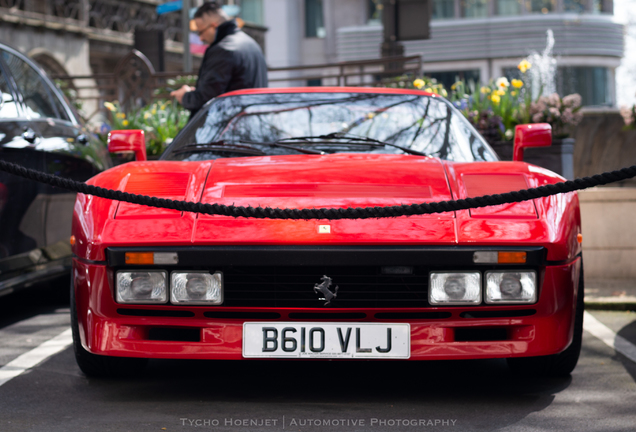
[(234, 61)]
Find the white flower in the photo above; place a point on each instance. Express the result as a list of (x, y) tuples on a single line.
[(502, 83)]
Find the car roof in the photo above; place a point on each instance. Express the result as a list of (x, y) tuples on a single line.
[(377, 90)]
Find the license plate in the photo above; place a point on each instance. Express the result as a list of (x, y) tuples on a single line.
[(326, 340)]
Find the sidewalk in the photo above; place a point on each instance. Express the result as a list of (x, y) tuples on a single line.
[(610, 294)]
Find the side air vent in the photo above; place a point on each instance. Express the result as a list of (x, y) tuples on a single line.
[(330, 316), (155, 313), (498, 313), (413, 315), (243, 315)]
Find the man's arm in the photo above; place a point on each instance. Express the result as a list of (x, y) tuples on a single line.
[(214, 78)]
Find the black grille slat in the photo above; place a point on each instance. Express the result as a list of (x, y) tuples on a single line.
[(359, 287)]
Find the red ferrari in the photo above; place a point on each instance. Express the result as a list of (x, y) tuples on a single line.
[(503, 281)]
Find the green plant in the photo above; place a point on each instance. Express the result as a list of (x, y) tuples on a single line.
[(161, 121)]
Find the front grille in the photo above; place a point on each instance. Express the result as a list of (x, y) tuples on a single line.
[(358, 287)]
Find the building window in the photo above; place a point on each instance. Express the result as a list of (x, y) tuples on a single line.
[(577, 6), (508, 7), (592, 83), (314, 24), (375, 11), (443, 9), (541, 6), (451, 77), (474, 8), (252, 11)]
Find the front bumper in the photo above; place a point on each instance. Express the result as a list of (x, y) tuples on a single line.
[(436, 332)]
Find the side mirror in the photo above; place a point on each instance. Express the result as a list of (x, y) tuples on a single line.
[(128, 141), (531, 135)]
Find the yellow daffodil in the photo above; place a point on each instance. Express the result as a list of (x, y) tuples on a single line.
[(500, 92), (513, 93), (110, 106), (495, 98), (502, 83), (454, 86), (146, 115), (516, 83), (163, 107), (485, 90), (444, 92), (120, 115), (419, 83), (429, 90), (524, 66), (125, 123), (154, 111)]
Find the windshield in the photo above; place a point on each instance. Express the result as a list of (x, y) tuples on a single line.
[(322, 123)]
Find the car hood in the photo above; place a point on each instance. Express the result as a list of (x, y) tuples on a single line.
[(314, 181)]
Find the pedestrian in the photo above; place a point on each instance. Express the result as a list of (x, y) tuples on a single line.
[(233, 61)]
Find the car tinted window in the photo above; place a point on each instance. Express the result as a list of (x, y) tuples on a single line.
[(8, 108), (36, 94), (425, 124)]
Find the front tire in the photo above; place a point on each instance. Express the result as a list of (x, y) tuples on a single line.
[(557, 365), (94, 365)]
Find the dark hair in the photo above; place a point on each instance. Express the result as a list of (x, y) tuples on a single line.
[(211, 7)]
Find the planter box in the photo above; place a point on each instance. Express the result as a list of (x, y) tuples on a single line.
[(558, 157)]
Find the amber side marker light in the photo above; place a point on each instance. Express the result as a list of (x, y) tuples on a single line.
[(140, 258), (152, 258), (511, 257), (579, 238), (72, 240)]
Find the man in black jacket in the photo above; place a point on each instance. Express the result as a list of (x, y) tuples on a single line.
[(233, 61)]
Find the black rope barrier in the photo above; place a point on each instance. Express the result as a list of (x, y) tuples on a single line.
[(323, 213)]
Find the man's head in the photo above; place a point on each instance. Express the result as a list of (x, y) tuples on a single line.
[(207, 18)]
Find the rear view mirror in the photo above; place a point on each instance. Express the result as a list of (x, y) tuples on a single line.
[(531, 135), (128, 141)]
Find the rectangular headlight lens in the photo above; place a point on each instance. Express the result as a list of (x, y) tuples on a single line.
[(196, 287), (454, 288), (511, 287), (141, 286)]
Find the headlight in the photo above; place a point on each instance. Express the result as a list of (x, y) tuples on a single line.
[(141, 287), (456, 288), (196, 287), (511, 287)]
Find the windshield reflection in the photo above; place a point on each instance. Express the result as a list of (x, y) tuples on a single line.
[(421, 123)]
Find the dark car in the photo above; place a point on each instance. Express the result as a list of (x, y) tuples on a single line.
[(39, 130)]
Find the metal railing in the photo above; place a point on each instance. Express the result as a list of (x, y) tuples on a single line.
[(135, 83)]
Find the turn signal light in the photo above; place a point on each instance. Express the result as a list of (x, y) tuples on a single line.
[(140, 258), (511, 258), (150, 258)]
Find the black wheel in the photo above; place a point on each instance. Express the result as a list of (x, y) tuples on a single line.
[(557, 365), (97, 365)]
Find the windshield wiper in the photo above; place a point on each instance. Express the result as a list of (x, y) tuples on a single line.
[(243, 147), (222, 146), (350, 139), (278, 144)]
